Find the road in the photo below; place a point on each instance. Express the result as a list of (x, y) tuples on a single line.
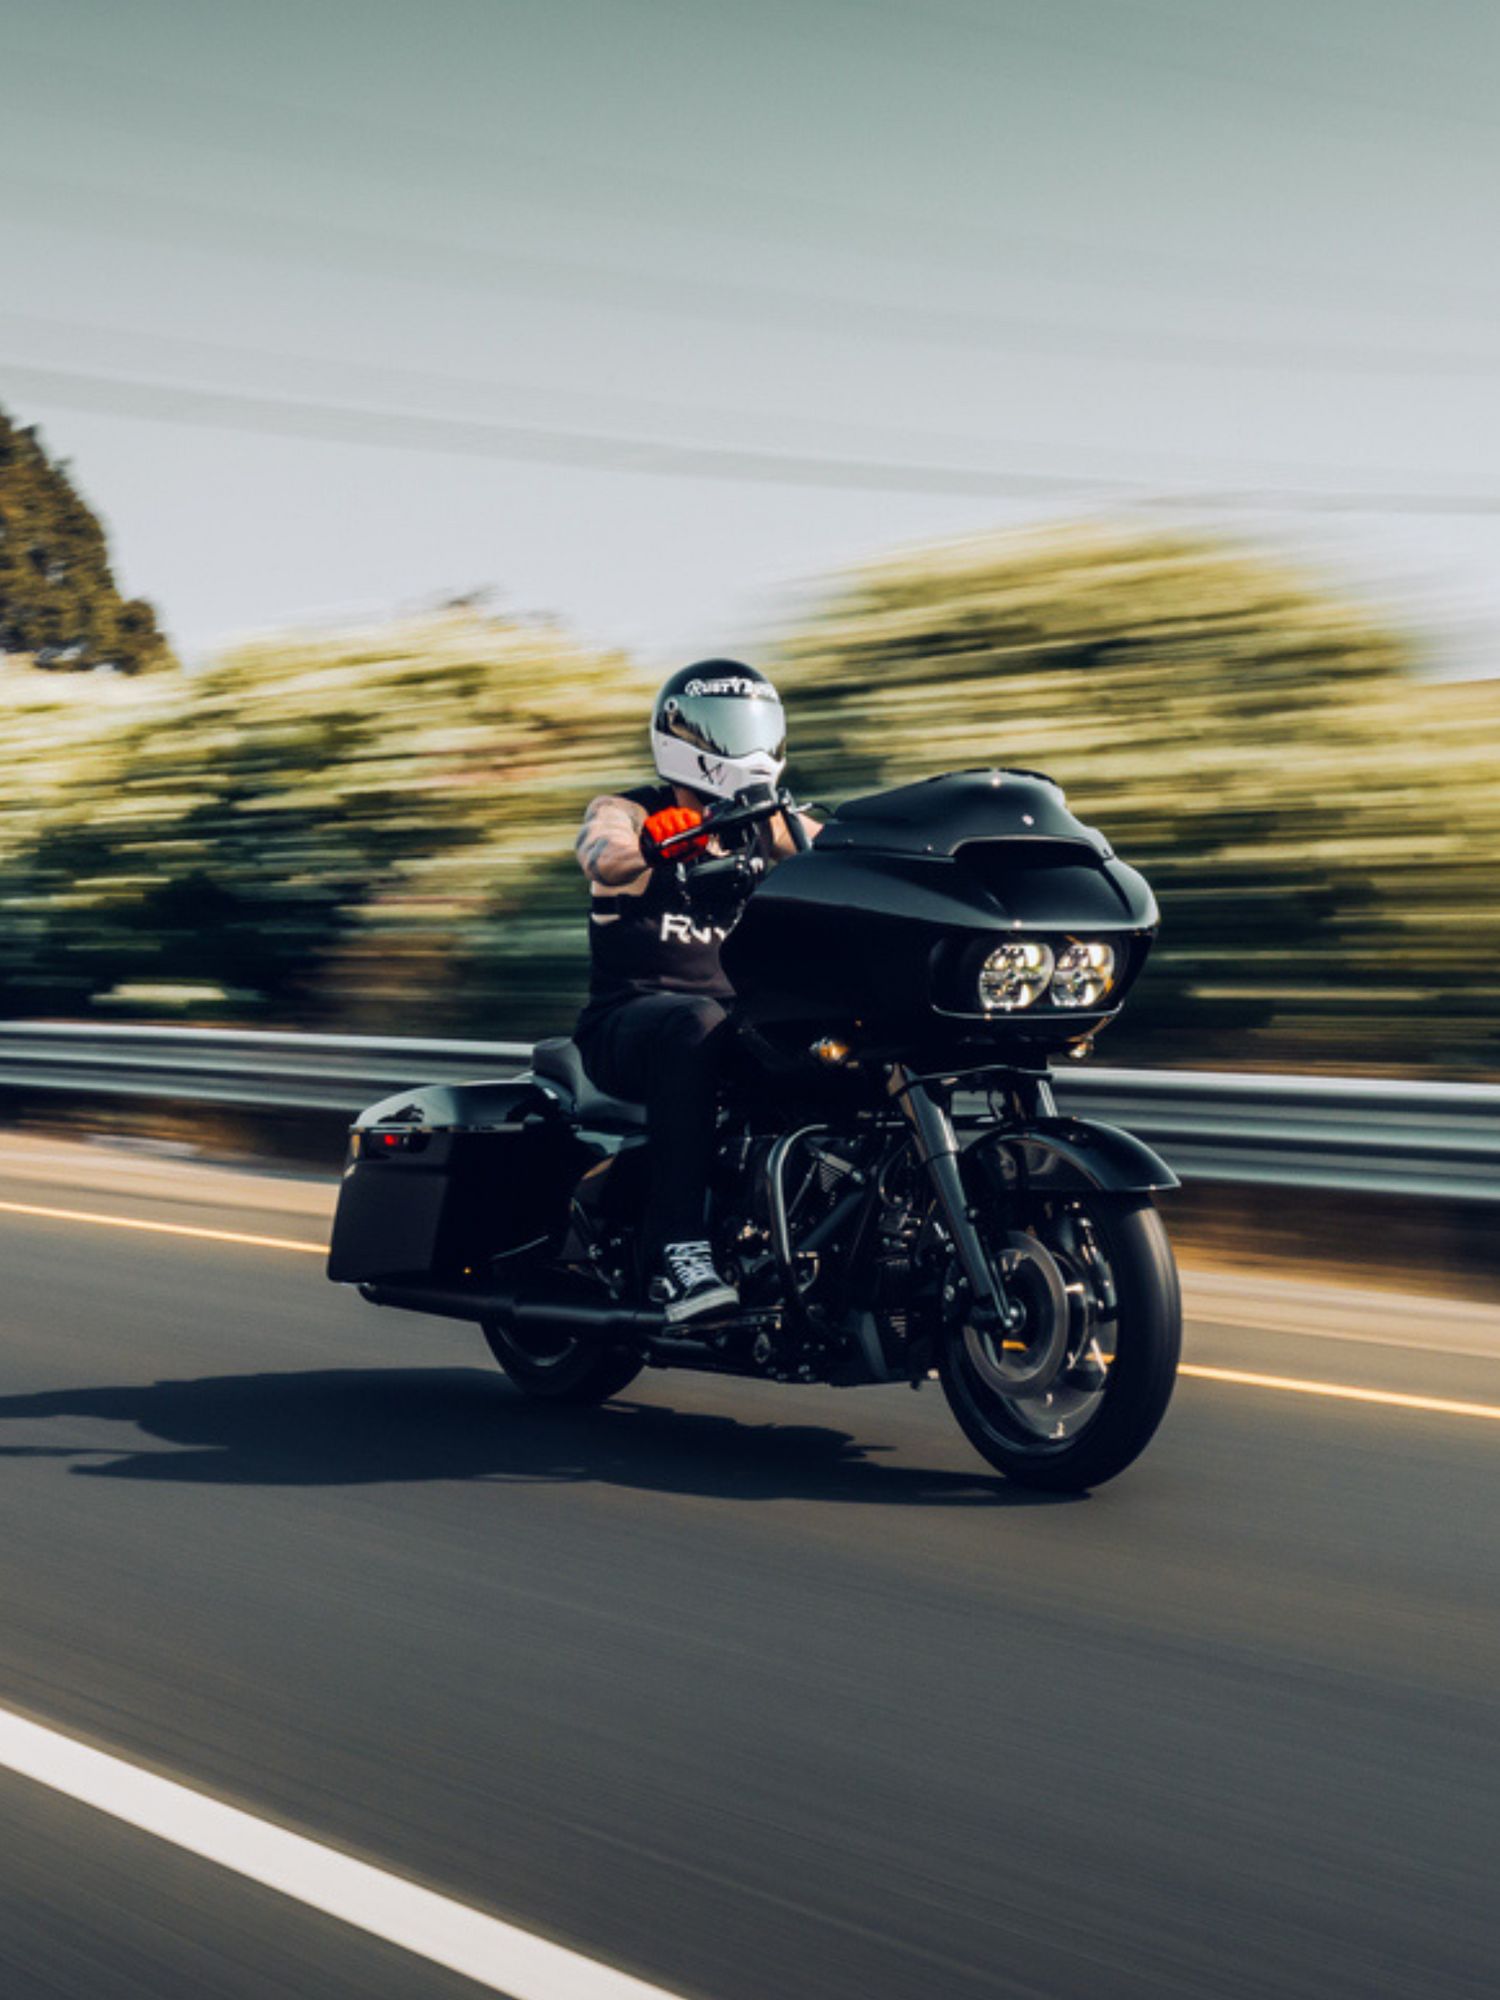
[(749, 1691)]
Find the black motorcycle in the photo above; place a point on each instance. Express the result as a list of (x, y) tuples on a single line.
[(895, 1194)]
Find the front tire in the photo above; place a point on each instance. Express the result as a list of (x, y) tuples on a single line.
[(560, 1368), (1124, 1336)]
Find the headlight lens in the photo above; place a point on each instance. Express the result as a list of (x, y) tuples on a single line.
[(1014, 976), (1085, 973)]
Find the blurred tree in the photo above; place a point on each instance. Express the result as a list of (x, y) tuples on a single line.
[(58, 598), (339, 830), (1260, 749), (374, 829)]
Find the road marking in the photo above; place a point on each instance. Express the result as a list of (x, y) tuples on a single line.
[(1283, 1382), (1389, 1397), (161, 1228), (485, 1949)]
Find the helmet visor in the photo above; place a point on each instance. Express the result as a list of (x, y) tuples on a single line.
[(728, 725)]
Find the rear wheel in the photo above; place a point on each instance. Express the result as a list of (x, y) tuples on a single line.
[(1074, 1392), (560, 1368)]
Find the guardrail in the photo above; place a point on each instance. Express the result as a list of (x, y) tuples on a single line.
[(1433, 1140), (250, 1068), (1439, 1141)]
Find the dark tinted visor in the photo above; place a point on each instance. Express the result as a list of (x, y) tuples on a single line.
[(728, 725)]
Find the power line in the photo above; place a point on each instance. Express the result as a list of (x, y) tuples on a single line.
[(478, 438), (243, 121), (163, 402), (1289, 56), (390, 254)]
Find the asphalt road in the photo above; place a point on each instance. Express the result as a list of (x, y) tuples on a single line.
[(750, 1691)]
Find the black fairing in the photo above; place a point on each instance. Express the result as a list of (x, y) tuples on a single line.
[(878, 933), (938, 815)]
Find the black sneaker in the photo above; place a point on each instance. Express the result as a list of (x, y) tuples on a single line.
[(689, 1286)]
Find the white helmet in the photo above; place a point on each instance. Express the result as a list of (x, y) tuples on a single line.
[(718, 727)]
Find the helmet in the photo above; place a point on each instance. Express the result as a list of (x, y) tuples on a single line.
[(718, 727)]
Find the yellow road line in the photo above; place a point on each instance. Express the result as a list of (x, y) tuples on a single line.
[(1286, 1383), (161, 1228), (1389, 1397)]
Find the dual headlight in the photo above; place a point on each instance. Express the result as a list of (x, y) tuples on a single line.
[(1017, 975)]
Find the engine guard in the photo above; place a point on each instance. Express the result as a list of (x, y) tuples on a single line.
[(1072, 1156)]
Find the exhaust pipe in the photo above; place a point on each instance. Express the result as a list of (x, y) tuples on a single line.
[(561, 1311), (566, 1311)]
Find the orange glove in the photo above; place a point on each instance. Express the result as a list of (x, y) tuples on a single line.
[(667, 823)]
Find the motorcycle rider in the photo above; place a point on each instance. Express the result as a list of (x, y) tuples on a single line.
[(655, 1028)]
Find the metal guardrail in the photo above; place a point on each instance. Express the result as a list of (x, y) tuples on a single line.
[(237, 1066), (1439, 1141), (1433, 1140)]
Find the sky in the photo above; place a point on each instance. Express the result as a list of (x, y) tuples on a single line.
[(652, 315)]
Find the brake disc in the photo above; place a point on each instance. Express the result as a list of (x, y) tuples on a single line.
[(1024, 1360)]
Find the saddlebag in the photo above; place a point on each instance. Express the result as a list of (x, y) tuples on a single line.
[(441, 1181)]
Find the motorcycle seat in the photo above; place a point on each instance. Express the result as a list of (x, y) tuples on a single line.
[(558, 1062)]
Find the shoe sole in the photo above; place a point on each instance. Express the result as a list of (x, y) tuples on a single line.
[(724, 1299)]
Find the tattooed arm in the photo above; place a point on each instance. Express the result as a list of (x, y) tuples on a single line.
[(609, 844), (782, 843)]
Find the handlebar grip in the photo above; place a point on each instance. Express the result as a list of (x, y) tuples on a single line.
[(673, 833)]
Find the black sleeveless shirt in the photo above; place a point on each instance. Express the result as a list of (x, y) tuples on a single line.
[(651, 941)]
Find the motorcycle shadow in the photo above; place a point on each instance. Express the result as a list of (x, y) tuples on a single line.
[(368, 1426)]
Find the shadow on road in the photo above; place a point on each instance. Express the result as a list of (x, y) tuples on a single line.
[(340, 1427)]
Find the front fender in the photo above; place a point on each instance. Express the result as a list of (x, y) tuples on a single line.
[(1072, 1156)]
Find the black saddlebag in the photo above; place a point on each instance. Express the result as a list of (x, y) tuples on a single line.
[(441, 1181)]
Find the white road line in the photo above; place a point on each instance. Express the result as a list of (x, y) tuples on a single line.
[(494, 1954)]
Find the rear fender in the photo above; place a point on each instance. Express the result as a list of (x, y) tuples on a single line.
[(1071, 1156)]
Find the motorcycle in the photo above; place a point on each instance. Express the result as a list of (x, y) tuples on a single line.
[(895, 1195)]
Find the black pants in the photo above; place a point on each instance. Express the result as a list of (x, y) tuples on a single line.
[(664, 1050)]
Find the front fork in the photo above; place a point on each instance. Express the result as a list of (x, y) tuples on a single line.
[(937, 1148)]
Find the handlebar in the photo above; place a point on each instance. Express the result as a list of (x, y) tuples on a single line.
[(750, 808), (724, 870)]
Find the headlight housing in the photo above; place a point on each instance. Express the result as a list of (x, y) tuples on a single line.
[(1015, 976), (1072, 975), (1083, 976)]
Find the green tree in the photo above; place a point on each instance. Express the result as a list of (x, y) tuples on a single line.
[(1313, 816), (374, 829), (344, 830), (58, 599)]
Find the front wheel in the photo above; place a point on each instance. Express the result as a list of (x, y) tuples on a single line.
[(560, 1368), (1074, 1393)]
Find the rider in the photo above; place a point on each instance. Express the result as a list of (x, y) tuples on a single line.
[(655, 1029)]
